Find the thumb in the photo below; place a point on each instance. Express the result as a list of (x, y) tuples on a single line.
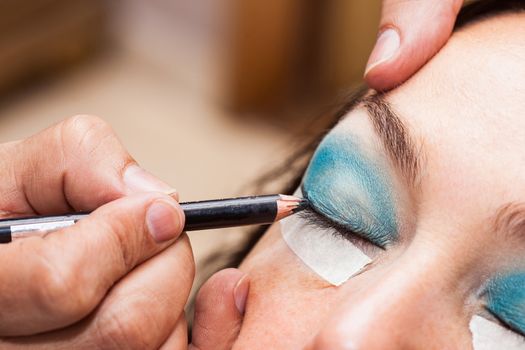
[(219, 310), (410, 33)]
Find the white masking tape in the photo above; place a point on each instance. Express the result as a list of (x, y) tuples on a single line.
[(332, 257), (488, 335)]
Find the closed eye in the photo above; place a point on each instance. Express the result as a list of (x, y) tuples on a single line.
[(505, 299), (320, 221)]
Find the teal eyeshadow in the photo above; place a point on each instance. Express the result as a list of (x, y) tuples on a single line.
[(350, 189), (506, 299)]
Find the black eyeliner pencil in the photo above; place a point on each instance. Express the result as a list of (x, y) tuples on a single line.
[(201, 215)]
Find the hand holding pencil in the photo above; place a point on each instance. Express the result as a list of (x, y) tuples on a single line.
[(68, 290), (65, 290)]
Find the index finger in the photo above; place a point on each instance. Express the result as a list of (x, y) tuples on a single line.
[(75, 165)]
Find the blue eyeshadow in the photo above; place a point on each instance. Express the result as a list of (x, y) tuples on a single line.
[(506, 299), (351, 189)]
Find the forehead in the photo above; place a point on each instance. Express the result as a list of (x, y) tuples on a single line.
[(477, 80), (466, 108)]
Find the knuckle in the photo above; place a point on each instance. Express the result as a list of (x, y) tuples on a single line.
[(85, 132), (82, 123), (86, 121)]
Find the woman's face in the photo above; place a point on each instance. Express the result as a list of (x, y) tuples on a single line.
[(433, 200)]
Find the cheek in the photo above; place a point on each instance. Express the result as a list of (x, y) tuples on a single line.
[(287, 303)]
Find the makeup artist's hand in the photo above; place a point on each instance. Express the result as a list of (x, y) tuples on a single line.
[(410, 33), (117, 279)]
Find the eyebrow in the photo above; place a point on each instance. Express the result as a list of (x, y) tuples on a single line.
[(394, 136), (510, 220)]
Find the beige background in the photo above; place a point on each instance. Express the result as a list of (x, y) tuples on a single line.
[(190, 87)]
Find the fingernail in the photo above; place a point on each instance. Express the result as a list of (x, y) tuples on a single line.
[(386, 46), (139, 180), (165, 220), (240, 293)]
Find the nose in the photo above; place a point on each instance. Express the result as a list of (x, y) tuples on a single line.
[(405, 306)]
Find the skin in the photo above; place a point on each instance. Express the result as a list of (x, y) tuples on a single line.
[(421, 292)]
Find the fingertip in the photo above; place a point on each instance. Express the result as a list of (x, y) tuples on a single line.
[(411, 57), (411, 34), (386, 48), (180, 216), (240, 293), (164, 219), (384, 77), (388, 65), (394, 63), (231, 286), (219, 309)]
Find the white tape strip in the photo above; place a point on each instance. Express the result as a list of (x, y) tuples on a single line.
[(487, 335), (333, 258)]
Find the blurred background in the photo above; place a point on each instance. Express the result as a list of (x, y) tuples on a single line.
[(206, 94)]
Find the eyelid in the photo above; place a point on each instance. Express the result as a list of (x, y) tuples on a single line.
[(318, 220), (315, 219), (505, 300)]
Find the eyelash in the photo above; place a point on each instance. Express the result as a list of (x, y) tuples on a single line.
[(320, 221), (315, 219)]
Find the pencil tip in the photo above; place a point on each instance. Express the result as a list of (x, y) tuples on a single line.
[(301, 205), (288, 205)]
